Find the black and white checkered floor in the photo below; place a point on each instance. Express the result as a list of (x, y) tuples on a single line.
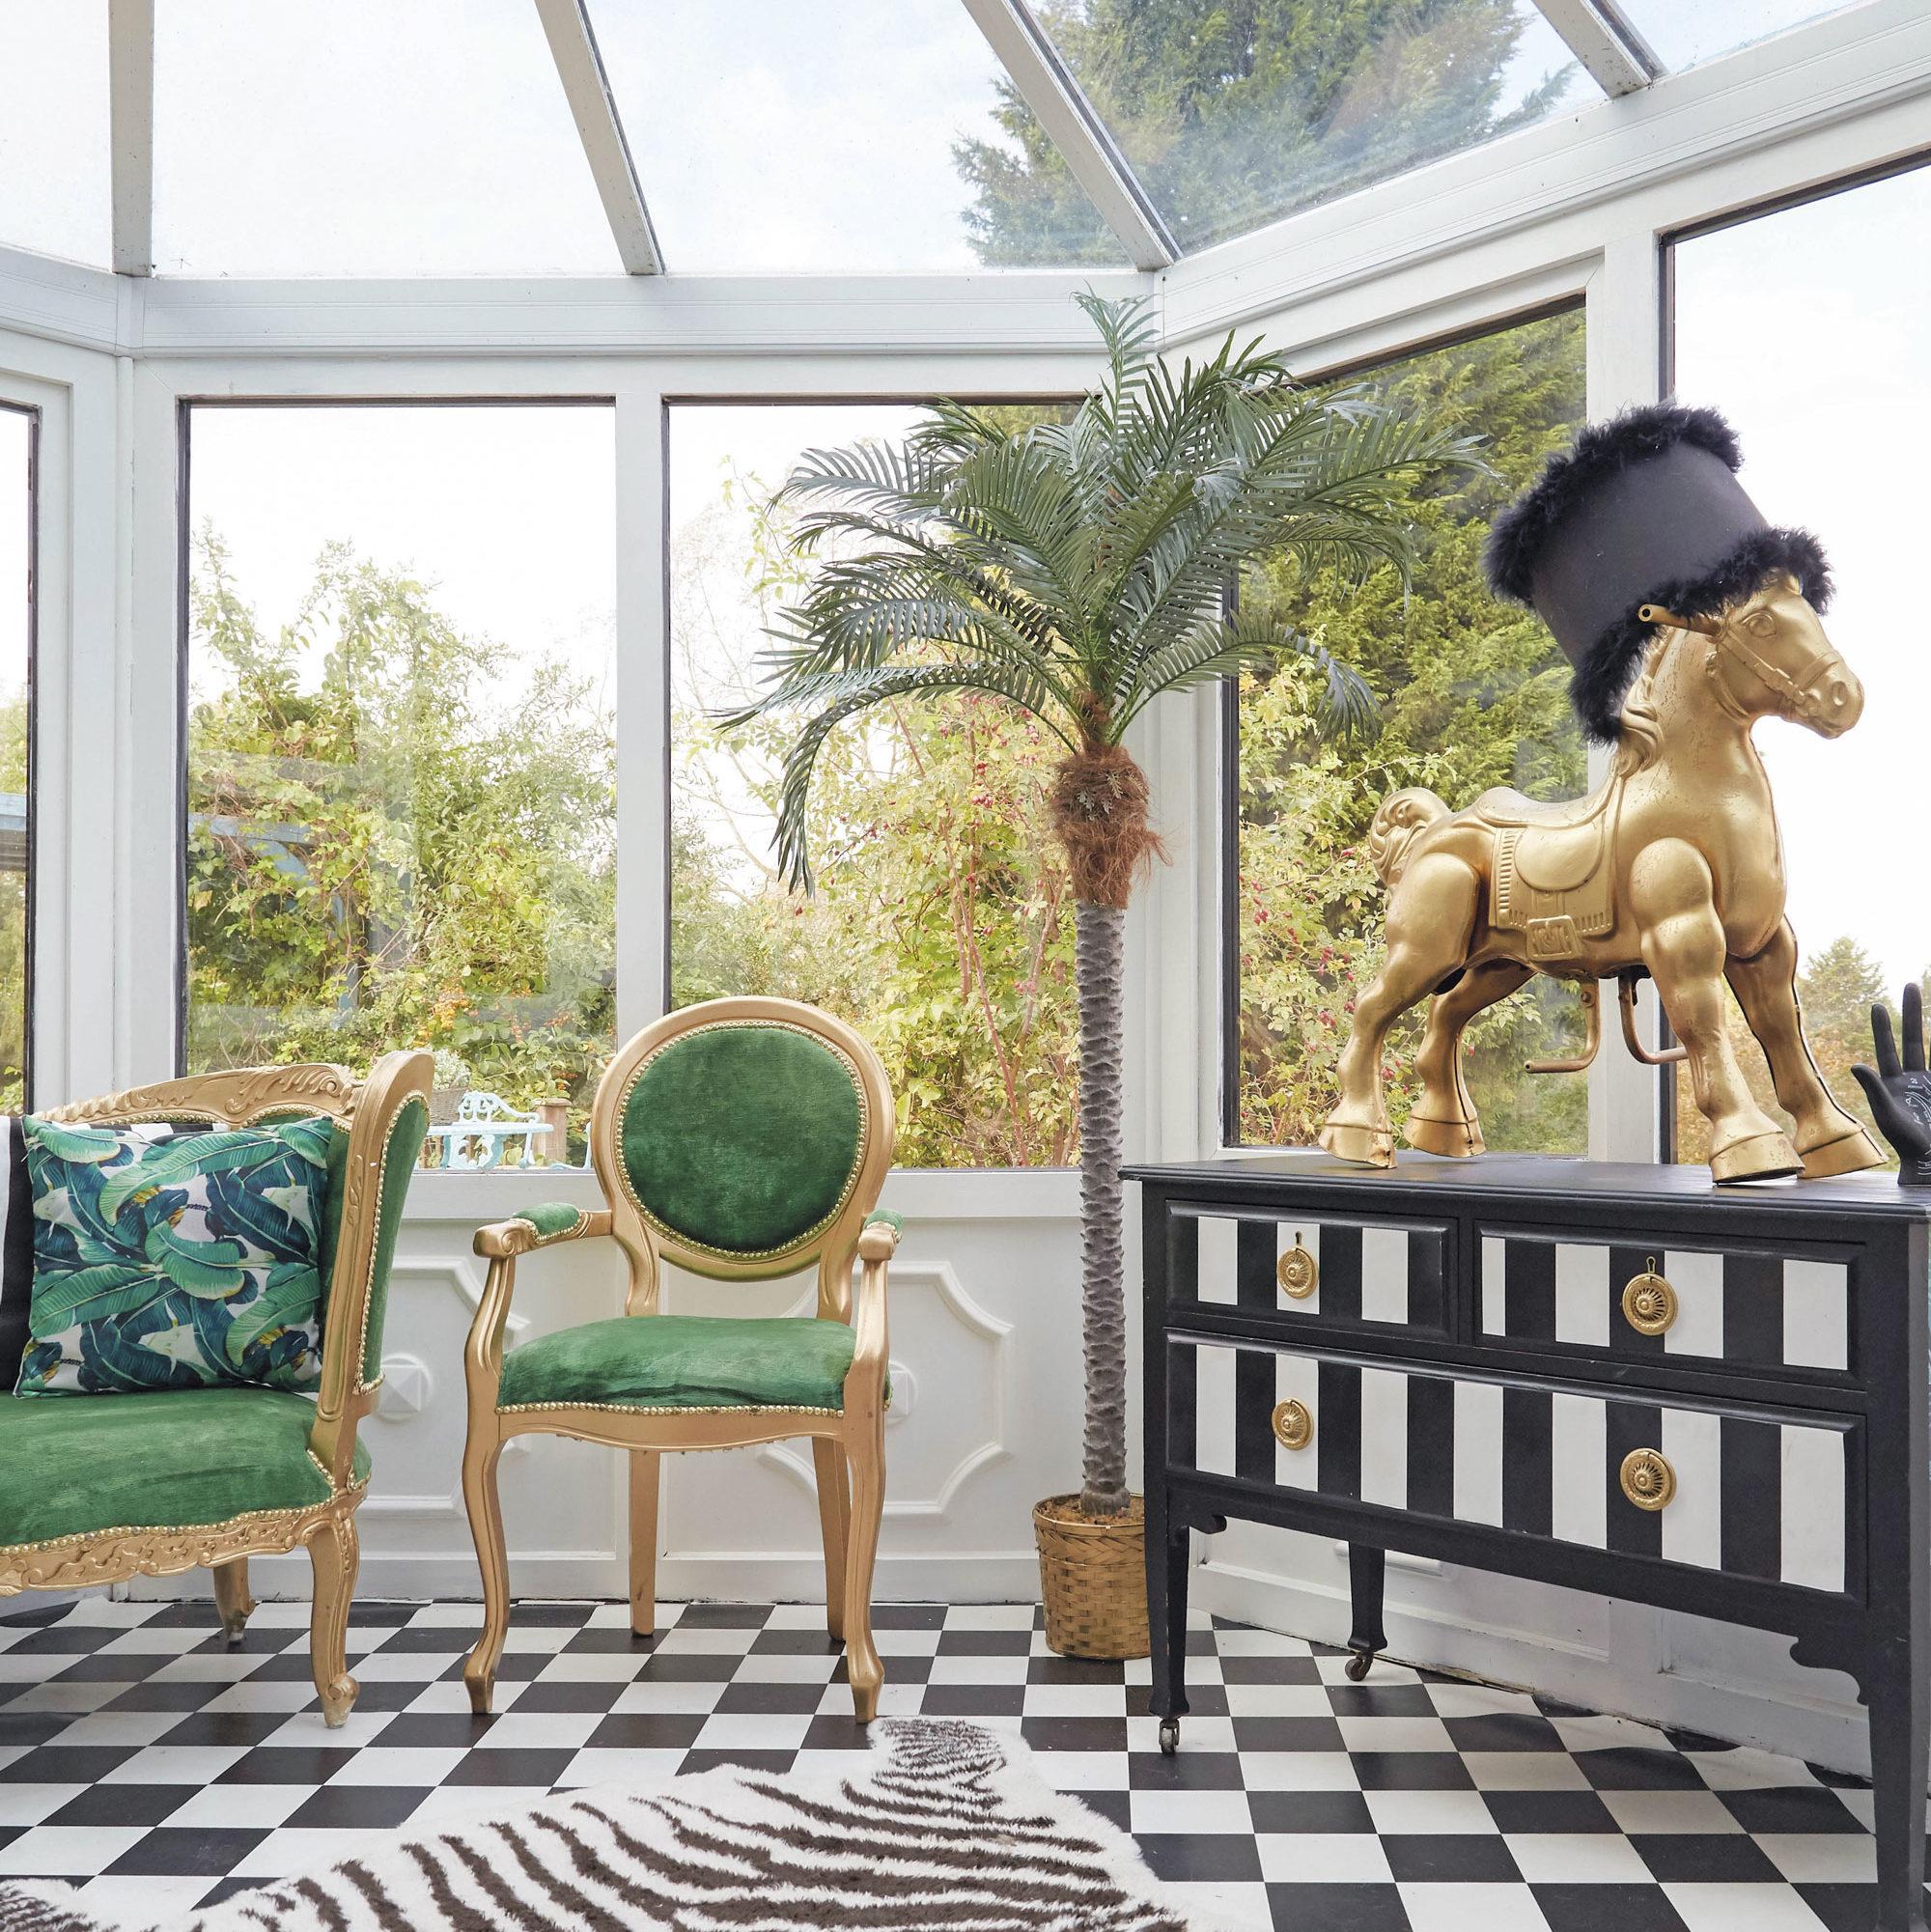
[(139, 1753)]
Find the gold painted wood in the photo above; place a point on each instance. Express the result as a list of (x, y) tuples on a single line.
[(1649, 1302), (1647, 1479), (847, 1444), (1672, 866), (1298, 1272), (1293, 1426), (241, 1096)]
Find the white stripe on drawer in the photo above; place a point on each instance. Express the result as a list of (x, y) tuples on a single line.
[(1698, 1281), (1478, 1452), (1297, 1378), (1219, 1260), (1582, 1295), (1816, 1326), (1495, 1278), (1286, 1234), (1579, 1501), (1384, 1437), (1383, 1275), (1693, 1520), (1813, 1507), (1213, 1411)]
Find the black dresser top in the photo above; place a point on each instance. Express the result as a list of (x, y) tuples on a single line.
[(1419, 1180)]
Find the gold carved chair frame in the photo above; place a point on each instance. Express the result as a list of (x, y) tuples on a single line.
[(848, 1444), (367, 1110)]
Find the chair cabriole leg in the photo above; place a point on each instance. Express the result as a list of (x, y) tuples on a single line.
[(232, 1601), (493, 1558), (334, 1553), (866, 1454), (643, 1542), (834, 1515)]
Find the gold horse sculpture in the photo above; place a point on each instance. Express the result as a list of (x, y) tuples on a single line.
[(1672, 868)]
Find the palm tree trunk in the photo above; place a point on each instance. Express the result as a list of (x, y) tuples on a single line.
[(1099, 956)]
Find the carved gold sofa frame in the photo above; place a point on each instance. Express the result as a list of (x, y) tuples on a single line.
[(381, 1122), (584, 1398)]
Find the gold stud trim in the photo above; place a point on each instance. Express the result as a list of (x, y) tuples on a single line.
[(1293, 1426), (1647, 1479), (248, 1518), (670, 1409), (1649, 1303), (663, 1229), (1298, 1272)]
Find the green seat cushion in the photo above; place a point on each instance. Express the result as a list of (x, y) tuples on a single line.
[(168, 1260), (172, 1459), (683, 1361), (741, 1138)]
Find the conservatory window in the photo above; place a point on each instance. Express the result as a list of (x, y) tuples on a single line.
[(1471, 694), (53, 134), (1230, 122), (1685, 32), (360, 138), (942, 922), (17, 655), (401, 741), (772, 137), (1830, 381)]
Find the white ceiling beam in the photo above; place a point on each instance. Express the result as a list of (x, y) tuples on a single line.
[(130, 114), (573, 44), (1048, 87), (1598, 33)]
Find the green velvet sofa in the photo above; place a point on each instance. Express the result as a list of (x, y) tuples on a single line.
[(96, 1489)]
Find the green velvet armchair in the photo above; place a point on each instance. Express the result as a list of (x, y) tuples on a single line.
[(101, 1487), (742, 1140)]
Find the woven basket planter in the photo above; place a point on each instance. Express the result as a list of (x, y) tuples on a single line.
[(1092, 1571)]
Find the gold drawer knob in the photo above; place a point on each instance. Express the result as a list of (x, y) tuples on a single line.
[(1293, 1425), (1649, 1302), (1298, 1272), (1648, 1481)]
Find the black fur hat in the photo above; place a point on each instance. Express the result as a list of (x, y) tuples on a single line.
[(1644, 509)]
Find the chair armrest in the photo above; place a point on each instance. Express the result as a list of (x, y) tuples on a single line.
[(540, 1226), (871, 1347)]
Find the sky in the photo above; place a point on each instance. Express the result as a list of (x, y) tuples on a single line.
[(1811, 331), (14, 512)]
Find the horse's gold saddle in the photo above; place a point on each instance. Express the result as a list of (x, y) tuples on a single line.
[(1554, 879)]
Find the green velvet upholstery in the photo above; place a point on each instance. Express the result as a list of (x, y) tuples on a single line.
[(398, 1162), (331, 1231), (740, 1138), (179, 1458), (683, 1361), (886, 1218), (550, 1218)]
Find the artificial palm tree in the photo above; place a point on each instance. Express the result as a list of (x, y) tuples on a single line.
[(1079, 570)]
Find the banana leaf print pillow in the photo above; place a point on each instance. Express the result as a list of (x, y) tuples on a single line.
[(165, 1259)]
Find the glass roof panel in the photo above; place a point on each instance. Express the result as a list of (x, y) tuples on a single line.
[(1684, 32), (358, 137), (773, 137), (1236, 116), (55, 192)]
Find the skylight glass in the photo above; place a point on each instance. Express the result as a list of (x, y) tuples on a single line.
[(773, 136), (358, 138), (1684, 32), (54, 176), (1235, 117)]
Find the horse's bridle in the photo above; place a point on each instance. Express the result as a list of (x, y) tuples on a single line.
[(1801, 705)]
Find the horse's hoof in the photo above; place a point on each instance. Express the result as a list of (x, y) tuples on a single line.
[(1763, 1156), (1457, 1138), (1369, 1146), (1848, 1154)]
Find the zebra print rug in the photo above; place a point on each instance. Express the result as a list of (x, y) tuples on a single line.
[(950, 1831)]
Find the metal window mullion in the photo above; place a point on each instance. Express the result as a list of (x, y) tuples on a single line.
[(1047, 86), (130, 97), (1602, 37), (579, 66)]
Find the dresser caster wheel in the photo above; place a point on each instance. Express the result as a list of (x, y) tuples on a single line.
[(1169, 1736), (1357, 1664)]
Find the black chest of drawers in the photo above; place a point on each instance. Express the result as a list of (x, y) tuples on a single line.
[(1621, 1379)]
